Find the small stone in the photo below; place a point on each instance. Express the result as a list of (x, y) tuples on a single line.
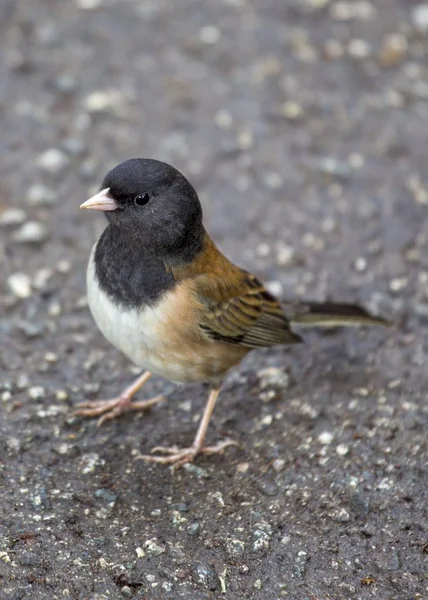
[(209, 35), (267, 487), (193, 528), (333, 49), (274, 180), (331, 166), (36, 392), (398, 284), (263, 250), (242, 467), (235, 548), (393, 51), (359, 504), (106, 495), (89, 4), (12, 216), (32, 232), (41, 278), (284, 254), (126, 591), (358, 48), (20, 285), (103, 101), (40, 195), (258, 584), (278, 465), (52, 160), (360, 264), (89, 462), (74, 146), (206, 576), (63, 266), (273, 377), (292, 110), (325, 438), (274, 287), (245, 139), (223, 119), (153, 547), (65, 83), (420, 17), (342, 449), (342, 516), (261, 536), (300, 565), (140, 552)]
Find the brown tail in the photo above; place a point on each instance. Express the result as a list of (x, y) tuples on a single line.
[(332, 314)]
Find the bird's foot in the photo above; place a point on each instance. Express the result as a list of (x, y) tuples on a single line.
[(111, 409), (180, 456)]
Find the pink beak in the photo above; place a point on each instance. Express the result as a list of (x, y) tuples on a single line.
[(101, 201)]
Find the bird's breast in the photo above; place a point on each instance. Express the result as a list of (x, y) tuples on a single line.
[(164, 338)]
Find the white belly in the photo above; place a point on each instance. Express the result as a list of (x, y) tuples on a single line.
[(136, 333)]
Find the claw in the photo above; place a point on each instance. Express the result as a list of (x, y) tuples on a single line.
[(177, 457)]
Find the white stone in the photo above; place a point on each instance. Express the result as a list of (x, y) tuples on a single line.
[(20, 285)]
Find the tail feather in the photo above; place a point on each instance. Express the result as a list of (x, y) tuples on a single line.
[(332, 314)]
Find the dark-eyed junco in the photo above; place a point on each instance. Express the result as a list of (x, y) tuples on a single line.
[(162, 293)]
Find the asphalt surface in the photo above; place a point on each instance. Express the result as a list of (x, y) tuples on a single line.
[(303, 125)]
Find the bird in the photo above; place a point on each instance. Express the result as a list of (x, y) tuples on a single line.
[(162, 292)]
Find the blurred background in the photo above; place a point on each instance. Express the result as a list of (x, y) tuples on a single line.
[(303, 126)]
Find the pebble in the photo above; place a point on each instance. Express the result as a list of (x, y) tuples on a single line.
[(292, 111), (274, 287), (106, 495), (359, 504), (273, 377), (398, 284), (209, 35), (223, 119), (41, 278), (52, 160), (193, 528), (358, 48), (40, 195), (102, 101), (284, 254), (31, 232), (89, 4), (420, 17), (300, 564), (360, 264), (36, 392), (74, 146), (65, 83), (325, 438), (278, 465), (342, 450), (267, 487), (206, 575), (235, 548), (393, 50), (261, 536), (12, 216), (20, 285), (360, 10), (153, 547)]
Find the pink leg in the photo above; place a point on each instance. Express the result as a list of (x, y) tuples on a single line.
[(180, 456), (110, 409)]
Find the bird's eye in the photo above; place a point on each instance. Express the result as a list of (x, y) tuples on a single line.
[(141, 199)]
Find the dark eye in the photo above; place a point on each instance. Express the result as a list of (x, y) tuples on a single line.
[(141, 199)]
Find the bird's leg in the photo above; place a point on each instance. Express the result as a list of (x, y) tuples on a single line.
[(110, 409), (180, 456)]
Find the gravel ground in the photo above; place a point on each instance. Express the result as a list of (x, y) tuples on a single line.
[(303, 125)]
